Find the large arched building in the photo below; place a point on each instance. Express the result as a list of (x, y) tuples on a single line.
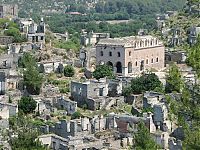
[(130, 56)]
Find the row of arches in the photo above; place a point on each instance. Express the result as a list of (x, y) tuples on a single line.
[(118, 66), (146, 43)]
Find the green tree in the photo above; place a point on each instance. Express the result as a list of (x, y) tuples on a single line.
[(146, 82), (31, 75), (192, 139), (103, 71), (174, 80), (194, 57), (143, 139), (12, 31), (27, 105), (76, 115), (27, 134), (127, 91), (69, 71)]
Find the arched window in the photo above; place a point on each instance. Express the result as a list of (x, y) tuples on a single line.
[(136, 63), (129, 67), (119, 67), (146, 43), (101, 53), (110, 53), (140, 43), (118, 54), (151, 42), (157, 59), (147, 61), (129, 53), (152, 60), (156, 41)]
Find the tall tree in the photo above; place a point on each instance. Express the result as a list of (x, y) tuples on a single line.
[(143, 139), (194, 57), (31, 75), (27, 134), (174, 80)]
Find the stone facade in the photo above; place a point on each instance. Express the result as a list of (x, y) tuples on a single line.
[(53, 141), (23, 47), (34, 32), (92, 38), (193, 33), (65, 104), (8, 11), (175, 56), (8, 110), (130, 56), (95, 93)]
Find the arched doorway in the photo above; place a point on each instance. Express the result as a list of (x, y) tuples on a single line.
[(119, 67), (130, 67), (110, 64)]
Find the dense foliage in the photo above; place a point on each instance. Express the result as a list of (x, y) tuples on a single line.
[(146, 82), (76, 115), (186, 111), (194, 57), (31, 75), (69, 71), (27, 105), (143, 139), (103, 71), (173, 80), (27, 134), (10, 28)]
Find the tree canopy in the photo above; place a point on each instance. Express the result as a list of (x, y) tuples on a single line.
[(31, 75), (194, 57), (27, 105), (102, 71), (173, 80), (146, 82), (143, 139), (27, 134)]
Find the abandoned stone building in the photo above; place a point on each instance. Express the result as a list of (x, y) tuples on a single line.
[(97, 132), (92, 38), (8, 11), (130, 56), (34, 32), (16, 48), (175, 56), (193, 33), (61, 37), (50, 67), (63, 103), (95, 93), (8, 110)]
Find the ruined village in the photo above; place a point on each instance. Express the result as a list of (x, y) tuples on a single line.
[(101, 95)]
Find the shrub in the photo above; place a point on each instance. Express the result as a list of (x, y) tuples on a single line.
[(69, 71)]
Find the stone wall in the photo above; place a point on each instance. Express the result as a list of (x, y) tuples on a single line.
[(4, 40)]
